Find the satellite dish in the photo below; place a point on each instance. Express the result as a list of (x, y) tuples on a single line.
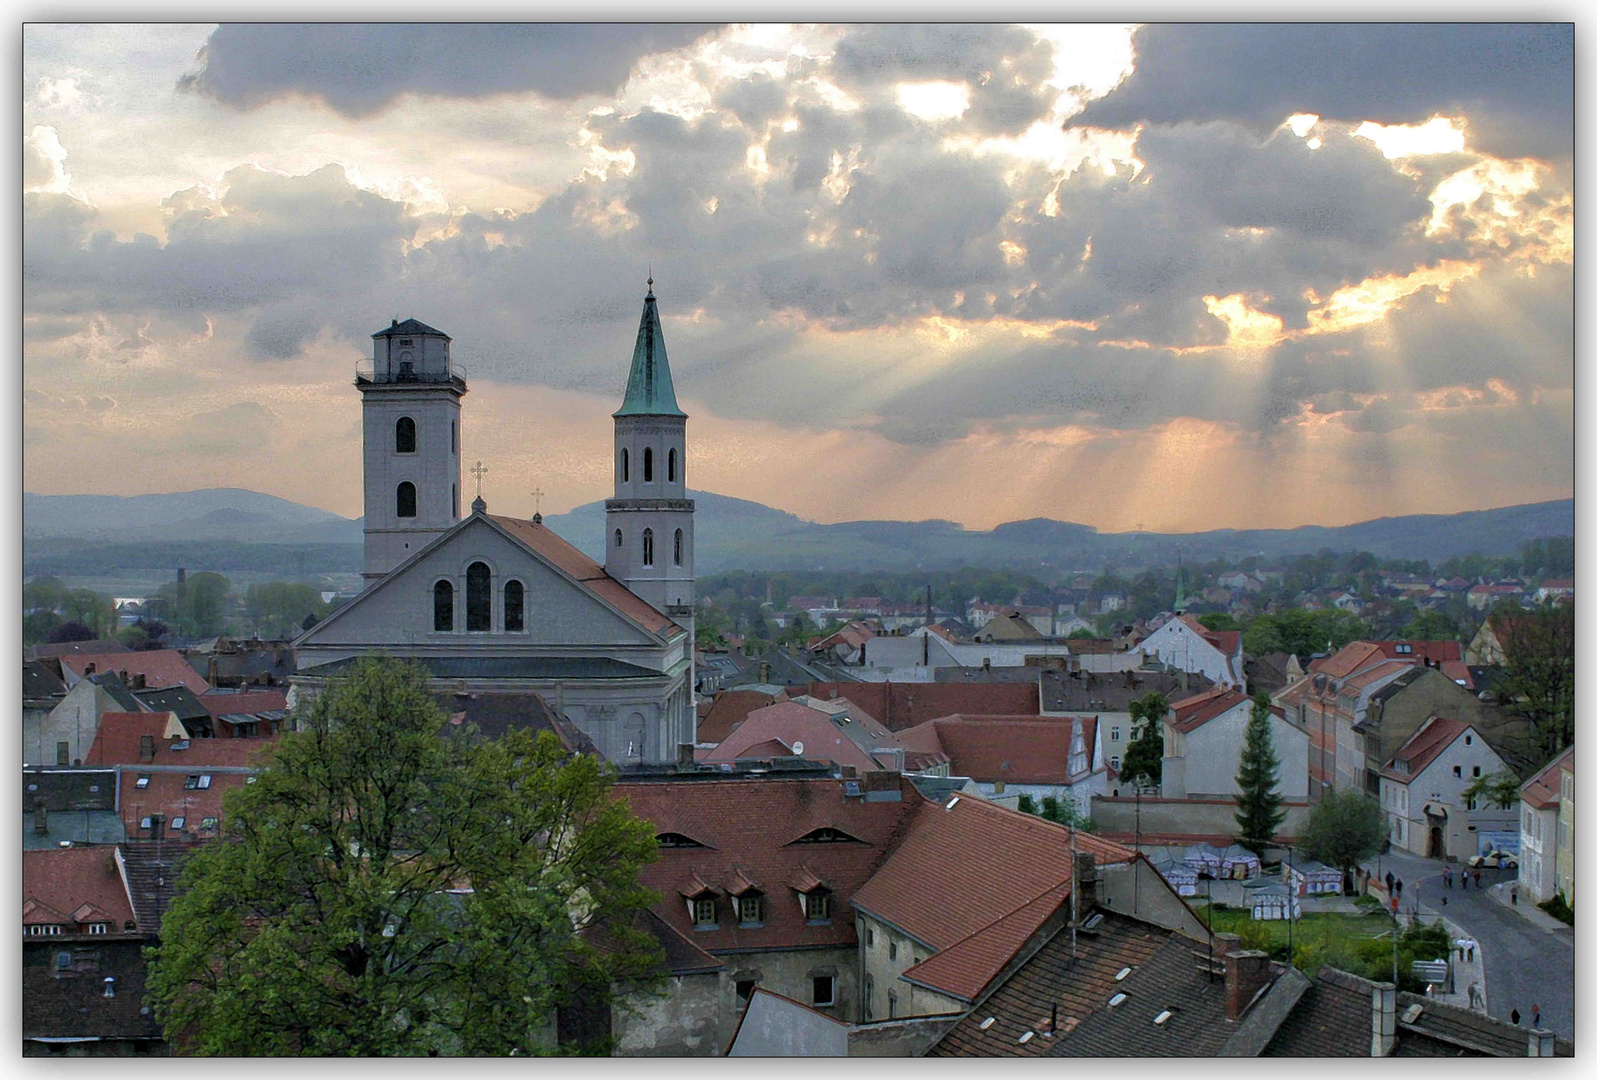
[(798, 749)]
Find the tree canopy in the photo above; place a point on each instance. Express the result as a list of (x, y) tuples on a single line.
[(391, 886), (1343, 828), (1539, 683), (1259, 811), (1143, 763)]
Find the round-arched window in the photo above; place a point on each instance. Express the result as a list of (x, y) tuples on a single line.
[(671, 465), (479, 601), (676, 548), (515, 600), (405, 500), (625, 466), (648, 547), (404, 435), (443, 607), (618, 538), (648, 465)]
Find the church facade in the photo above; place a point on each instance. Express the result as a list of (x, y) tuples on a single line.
[(492, 604)]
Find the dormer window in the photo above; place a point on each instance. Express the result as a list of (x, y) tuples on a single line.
[(751, 909), (826, 835), (703, 912), (676, 840), (817, 905)]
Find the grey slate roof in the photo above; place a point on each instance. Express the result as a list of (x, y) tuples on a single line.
[(112, 684), (76, 826), (39, 681), (1093, 692), (407, 328), (510, 667), (75, 788)]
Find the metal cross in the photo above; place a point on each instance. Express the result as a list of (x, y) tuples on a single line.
[(537, 500), (477, 470)]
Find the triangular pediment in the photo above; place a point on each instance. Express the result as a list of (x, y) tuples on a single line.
[(563, 605)]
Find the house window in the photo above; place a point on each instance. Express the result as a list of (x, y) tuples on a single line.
[(626, 470), (1469, 740), (676, 548), (1476, 771), (177, 822), (870, 990), (192, 782), (45, 929), (1405, 648), (892, 949), (405, 500), (648, 465), (671, 466), (822, 990), (648, 547), (143, 781), (454, 499), (1114, 763), (63, 961), (870, 937), (144, 822), (454, 435), (63, 753), (404, 435), (1114, 734), (751, 909), (443, 607), (818, 905), (479, 602), (210, 822), (704, 911), (892, 1004), (514, 622), (1458, 771)]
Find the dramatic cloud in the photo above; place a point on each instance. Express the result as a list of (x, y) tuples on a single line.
[(358, 69), (1516, 82)]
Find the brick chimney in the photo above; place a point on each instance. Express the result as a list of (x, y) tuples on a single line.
[(1383, 1019), (146, 748), (1086, 884), (157, 824), (1247, 971), (684, 755)]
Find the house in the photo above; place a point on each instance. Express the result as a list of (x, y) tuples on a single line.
[(902, 705), (1555, 589), (811, 728), (1187, 645), (1564, 863), (1272, 672), (1395, 711), (730, 708), (70, 892), (69, 806), (845, 645), (1059, 757), (1539, 833), (1422, 791), (756, 873), (1010, 625), (62, 735), (1483, 597), (1203, 740), (155, 669)]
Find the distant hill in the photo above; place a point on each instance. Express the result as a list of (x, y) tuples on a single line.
[(64, 532)]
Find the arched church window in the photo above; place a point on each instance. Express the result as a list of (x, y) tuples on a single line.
[(405, 435), (618, 538), (625, 473), (648, 545), (515, 597), (676, 548), (405, 500), (671, 465), (443, 607), (479, 602), (454, 499), (648, 465)]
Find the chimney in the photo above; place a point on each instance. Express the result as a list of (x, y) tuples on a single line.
[(41, 818), (1247, 971), (1383, 1019), (88, 669), (765, 671), (1541, 1043), (998, 787), (138, 681), (1182, 677), (848, 772), (157, 823), (685, 755), (986, 663), (146, 748), (1086, 884)]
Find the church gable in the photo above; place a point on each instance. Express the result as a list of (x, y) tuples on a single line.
[(469, 581)]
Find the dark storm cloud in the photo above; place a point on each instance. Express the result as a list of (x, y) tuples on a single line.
[(1514, 82), (359, 69)]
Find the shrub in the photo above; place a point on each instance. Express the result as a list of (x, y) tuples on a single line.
[(1558, 907)]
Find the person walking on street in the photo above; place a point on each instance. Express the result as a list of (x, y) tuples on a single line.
[(1463, 881), (1399, 886), (1389, 881), (1447, 877), (1535, 1016), (1477, 879)]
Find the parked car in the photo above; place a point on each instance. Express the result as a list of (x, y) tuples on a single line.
[(1507, 860)]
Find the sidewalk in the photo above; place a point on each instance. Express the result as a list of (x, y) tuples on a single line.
[(1535, 915), (1465, 972)]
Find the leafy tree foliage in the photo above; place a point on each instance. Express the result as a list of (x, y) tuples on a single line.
[(1539, 663), (197, 606), (1059, 811), (277, 609), (1343, 828), (1302, 633), (1259, 811), (50, 608), (1143, 763), (1219, 621), (1499, 789), (70, 631), (383, 889)]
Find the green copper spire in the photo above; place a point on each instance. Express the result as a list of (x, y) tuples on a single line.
[(649, 389)]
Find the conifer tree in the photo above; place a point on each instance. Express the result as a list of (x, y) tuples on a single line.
[(1259, 811)]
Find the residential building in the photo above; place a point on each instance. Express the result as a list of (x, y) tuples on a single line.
[(1564, 863), (63, 735), (1058, 757), (1187, 645), (729, 708), (903, 705), (1204, 737), (152, 670), (1422, 791), (817, 730), (1540, 798)]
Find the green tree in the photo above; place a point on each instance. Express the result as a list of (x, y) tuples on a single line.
[(1343, 828), (1539, 682), (1219, 621), (1143, 763), (1259, 811), (1499, 789), (391, 887), (277, 609)]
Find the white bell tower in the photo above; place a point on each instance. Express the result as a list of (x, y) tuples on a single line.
[(410, 405)]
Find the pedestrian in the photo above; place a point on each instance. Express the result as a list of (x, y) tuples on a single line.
[(1514, 1016), (1444, 901), (1469, 947), (1477, 879), (1475, 1000), (1389, 881), (1535, 1016), (1447, 877), (1400, 886), (1463, 880)]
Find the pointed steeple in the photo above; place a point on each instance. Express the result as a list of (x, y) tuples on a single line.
[(649, 389)]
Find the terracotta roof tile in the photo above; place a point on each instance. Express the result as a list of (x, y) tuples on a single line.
[(903, 705), (65, 879), (789, 724), (589, 573), (160, 667), (731, 708), (1014, 749), (251, 701), (117, 743), (965, 968), (1542, 791), (1434, 736)]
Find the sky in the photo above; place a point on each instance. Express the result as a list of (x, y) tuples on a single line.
[(1167, 277)]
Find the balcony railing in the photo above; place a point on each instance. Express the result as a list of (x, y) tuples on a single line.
[(365, 375)]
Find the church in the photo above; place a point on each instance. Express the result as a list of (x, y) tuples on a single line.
[(496, 605)]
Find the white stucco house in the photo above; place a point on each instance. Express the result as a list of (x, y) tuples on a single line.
[(1187, 645), (492, 604), (1538, 829), (1203, 740), (1422, 791)]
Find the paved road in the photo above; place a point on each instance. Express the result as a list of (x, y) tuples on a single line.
[(1525, 964)]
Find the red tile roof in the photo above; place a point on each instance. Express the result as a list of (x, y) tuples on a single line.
[(730, 709), (1346, 660), (248, 702), (1014, 749), (64, 880), (589, 573), (1433, 736), (169, 795), (903, 705), (1542, 791), (1194, 712), (965, 968), (117, 743), (789, 724), (750, 829), (966, 865), (160, 668), (1434, 651)]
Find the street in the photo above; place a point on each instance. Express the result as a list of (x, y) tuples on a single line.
[(1526, 964)]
